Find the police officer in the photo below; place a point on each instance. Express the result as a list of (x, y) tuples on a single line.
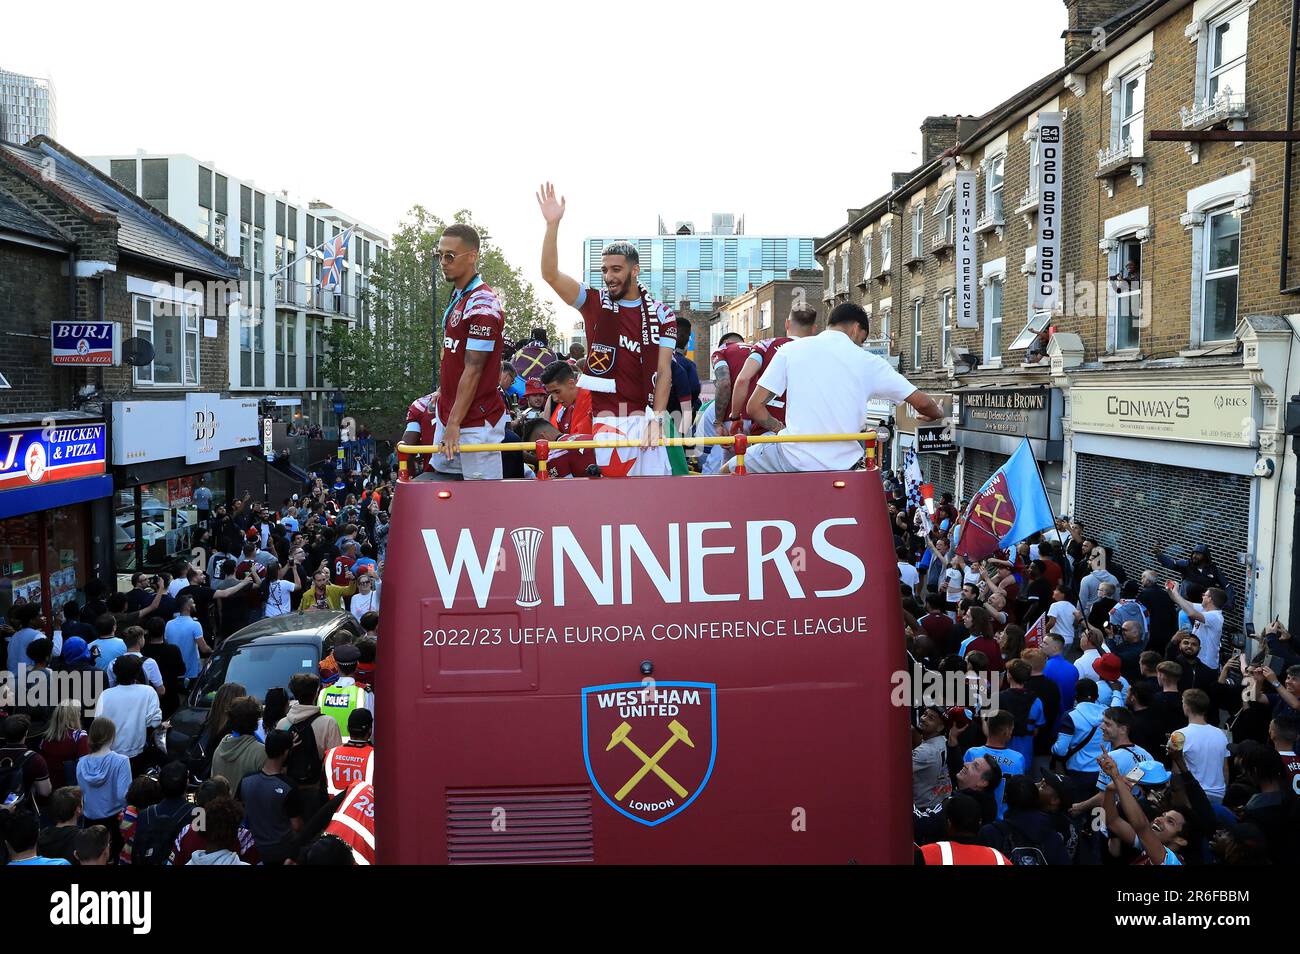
[(344, 696)]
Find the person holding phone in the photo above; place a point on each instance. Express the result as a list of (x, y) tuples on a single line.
[(1158, 840), (1207, 620)]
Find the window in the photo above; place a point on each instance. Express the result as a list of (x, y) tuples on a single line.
[(918, 230), (205, 224), (1125, 269), (291, 349), (1033, 165), (1132, 103), (993, 318), (993, 193), (246, 245), (945, 324), (1219, 271), (916, 335), (1226, 62), (866, 256), (765, 315), (173, 330), (883, 333), (886, 246), (947, 208), (154, 183), (219, 230)]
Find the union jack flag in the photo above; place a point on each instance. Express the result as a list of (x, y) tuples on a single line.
[(336, 253)]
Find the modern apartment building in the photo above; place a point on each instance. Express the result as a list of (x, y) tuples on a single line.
[(278, 345), (28, 107)]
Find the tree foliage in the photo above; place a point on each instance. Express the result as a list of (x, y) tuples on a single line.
[(388, 364)]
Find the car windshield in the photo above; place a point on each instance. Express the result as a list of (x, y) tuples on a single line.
[(257, 667)]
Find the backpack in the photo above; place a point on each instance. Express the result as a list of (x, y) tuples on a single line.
[(12, 784), (305, 765), (1018, 849), (155, 834)]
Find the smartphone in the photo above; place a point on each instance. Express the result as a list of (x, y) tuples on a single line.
[(1170, 585), (1135, 774), (11, 798)]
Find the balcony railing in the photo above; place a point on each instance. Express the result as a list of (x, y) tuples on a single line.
[(1028, 201), (940, 242), (1115, 158), (1223, 108), (991, 219), (316, 299)]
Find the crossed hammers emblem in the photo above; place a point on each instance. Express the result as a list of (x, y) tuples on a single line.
[(994, 519), (650, 763)]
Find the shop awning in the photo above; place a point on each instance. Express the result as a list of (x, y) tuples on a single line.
[(62, 493)]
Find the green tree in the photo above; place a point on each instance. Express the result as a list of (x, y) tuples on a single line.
[(387, 365)]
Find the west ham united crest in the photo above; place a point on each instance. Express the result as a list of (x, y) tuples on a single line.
[(649, 747)]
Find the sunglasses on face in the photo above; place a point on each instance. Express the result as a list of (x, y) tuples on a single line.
[(448, 257)]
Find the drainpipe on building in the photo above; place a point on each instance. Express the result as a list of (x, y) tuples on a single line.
[(1288, 161), (1293, 432)]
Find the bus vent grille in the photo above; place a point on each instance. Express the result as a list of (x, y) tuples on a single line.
[(542, 825)]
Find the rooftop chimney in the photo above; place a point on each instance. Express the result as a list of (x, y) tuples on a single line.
[(1084, 30), (938, 135)]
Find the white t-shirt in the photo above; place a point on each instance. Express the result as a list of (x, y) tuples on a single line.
[(1204, 748), (1062, 614), (1211, 634), (177, 585), (828, 381), (909, 575), (952, 576), (1083, 665), (363, 603), (279, 598)]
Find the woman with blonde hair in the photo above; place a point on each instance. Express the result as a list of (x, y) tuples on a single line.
[(64, 742)]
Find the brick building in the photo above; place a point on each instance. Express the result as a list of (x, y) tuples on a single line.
[(1161, 396), (762, 311), (101, 461)]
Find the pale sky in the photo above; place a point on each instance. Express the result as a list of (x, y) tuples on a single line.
[(694, 108)]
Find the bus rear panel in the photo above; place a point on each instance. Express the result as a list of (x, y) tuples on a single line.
[(657, 670)]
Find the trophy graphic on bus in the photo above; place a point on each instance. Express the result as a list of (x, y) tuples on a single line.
[(528, 540)]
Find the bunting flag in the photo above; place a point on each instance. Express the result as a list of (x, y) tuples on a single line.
[(336, 254)]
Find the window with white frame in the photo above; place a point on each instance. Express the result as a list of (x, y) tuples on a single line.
[(886, 246), (1124, 297), (916, 334), (993, 317), (1220, 263), (945, 324), (1225, 62), (918, 230), (866, 255), (1033, 165), (882, 331), (993, 183), (1132, 107), (947, 210), (765, 315), (173, 330)]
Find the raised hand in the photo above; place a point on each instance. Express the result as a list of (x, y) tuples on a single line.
[(552, 208)]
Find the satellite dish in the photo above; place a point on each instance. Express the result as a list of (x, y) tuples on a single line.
[(137, 352)]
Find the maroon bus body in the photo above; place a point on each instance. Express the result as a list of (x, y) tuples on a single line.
[(617, 714)]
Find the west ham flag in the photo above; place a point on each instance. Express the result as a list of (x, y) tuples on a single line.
[(1011, 506)]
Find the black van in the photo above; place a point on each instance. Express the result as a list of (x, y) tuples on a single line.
[(260, 656)]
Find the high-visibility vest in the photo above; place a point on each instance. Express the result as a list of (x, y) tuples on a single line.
[(337, 702), (354, 822), (955, 853), (345, 764)]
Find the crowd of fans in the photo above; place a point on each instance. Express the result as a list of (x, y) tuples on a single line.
[(1101, 714), (88, 779)]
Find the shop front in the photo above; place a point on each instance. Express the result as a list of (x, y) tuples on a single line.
[(1168, 467), (936, 452), (163, 453), (992, 422), (52, 477)]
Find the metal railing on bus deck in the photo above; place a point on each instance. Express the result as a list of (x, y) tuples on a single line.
[(740, 442)]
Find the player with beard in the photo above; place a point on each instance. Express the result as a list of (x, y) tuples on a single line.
[(467, 406), (630, 342), (802, 323)]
